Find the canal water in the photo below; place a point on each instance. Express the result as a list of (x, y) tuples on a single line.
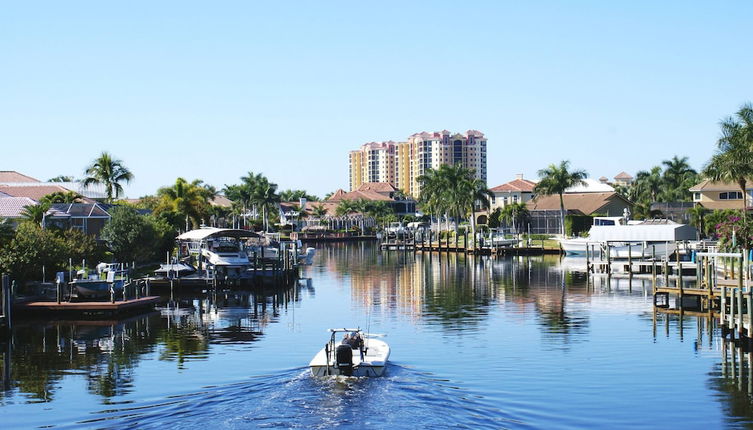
[(476, 343)]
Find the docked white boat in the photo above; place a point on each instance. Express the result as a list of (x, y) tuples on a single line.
[(358, 354), (638, 239), (217, 250)]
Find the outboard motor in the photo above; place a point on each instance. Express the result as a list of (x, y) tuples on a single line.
[(344, 360)]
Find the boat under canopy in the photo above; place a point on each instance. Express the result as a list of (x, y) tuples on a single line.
[(648, 231)]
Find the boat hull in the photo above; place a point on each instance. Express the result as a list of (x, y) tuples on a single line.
[(358, 371), (96, 289), (619, 251)]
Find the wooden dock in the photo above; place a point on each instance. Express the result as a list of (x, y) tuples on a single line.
[(88, 309)]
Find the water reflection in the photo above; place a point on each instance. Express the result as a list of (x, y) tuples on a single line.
[(38, 355)]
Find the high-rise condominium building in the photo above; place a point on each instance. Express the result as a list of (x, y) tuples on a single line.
[(402, 163)]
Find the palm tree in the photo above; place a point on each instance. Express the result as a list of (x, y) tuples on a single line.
[(678, 177), (319, 211), (733, 161), (345, 207), (514, 214), (697, 214), (470, 192), (108, 172), (35, 213), (648, 185), (61, 178), (264, 196), (62, 197), (189, 199), (433, 195), (555, 180)]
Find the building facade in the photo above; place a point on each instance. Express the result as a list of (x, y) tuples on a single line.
[(518, 190), (721, 195), (400, 164)]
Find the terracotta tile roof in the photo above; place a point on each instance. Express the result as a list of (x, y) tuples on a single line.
[(35, 192), (523, 185), (623, 175), (587, 203), (337, 195), (11, 176), (379, 187), (355, 195), (708, 185), (11, 207)]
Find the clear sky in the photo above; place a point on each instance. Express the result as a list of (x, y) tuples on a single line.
[(212, 90)]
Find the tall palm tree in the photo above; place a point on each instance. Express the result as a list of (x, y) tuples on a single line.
[(648, 185), (468, 193), (433, 197), (189, 199), (697, 217), (514, 214), (108, 172), (678, 177), (733, 161), (555, 180), (264, 196)]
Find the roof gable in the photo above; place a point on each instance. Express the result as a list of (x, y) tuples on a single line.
[(522, 185), (11, 176), (587, 203)]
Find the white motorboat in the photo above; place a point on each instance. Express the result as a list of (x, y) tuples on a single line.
[(359, 354), (638, 239), (220, 251)]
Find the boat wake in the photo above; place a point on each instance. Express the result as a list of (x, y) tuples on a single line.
[(402, 398)]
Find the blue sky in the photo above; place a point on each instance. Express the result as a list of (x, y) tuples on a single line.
[(213, 91)]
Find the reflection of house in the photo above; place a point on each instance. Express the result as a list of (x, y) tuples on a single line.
[(721, 195), (518, 190)]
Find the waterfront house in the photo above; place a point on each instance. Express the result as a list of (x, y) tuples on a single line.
[(11, 208), (721, 195), (624, 179), (89, 218), (545, 210), (518, 190)]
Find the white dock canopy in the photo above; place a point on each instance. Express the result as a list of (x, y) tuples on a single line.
[(645, 232), (208, 232)]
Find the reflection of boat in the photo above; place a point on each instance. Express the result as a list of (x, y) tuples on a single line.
[(108, 279), (365, 357), (635, 238)]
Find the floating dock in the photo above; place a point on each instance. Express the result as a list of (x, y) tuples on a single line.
[(87, 309)]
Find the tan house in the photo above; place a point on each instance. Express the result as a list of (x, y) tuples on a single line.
[(623, 178), (721, 195), (607, 204), (518, 190)]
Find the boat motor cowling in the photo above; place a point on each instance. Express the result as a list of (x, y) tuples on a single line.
[(344, 359)]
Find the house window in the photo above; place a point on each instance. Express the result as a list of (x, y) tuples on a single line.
[(515, 198), (696, 197), (494, 200), (731, 195)]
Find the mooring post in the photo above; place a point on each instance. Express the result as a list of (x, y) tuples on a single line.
[(630, 258), (723, 305), (749, 301), (653, 264), (740, 277), (665, 269), (740, 310), (679, 279)]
